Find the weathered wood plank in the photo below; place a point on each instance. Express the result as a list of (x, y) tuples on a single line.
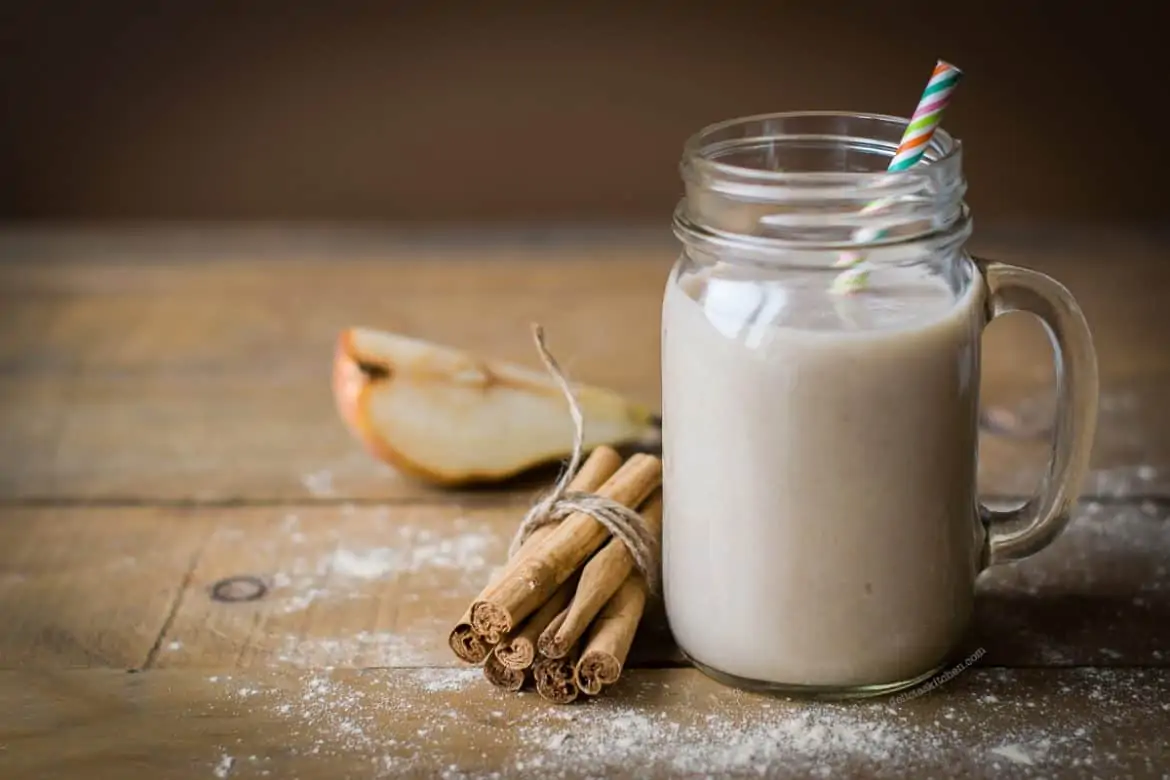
[(368, 586), (663, 723), (365, 586), (1099, 595), (207, 376), (348, 586), (91, 588), (194, 366)]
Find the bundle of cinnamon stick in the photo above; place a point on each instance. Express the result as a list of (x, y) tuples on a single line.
[(563, 612)]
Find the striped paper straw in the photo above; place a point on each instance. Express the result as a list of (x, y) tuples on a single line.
[(927, 116), (925, 120)]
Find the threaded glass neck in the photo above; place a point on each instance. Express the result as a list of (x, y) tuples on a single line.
[(817, 180)]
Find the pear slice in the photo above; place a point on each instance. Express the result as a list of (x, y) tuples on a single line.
[(451, 418)]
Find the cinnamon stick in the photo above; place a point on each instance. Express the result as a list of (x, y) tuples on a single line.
[(518, 650), (531, 580), (555, 678), (600, 579), (465, 642), (501, 676), (609, 640)]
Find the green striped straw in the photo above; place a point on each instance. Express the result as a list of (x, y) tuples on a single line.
[(925, 120)]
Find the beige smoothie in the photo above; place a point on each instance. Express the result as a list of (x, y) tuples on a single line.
[(821, 523)]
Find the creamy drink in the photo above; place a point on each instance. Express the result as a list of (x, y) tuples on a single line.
[(820, 380), (825, 531)]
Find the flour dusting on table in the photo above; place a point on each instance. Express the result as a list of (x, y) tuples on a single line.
[(337, 569), (991, 723), (359, 648), (319, 483), (346, 584), (223, 767)]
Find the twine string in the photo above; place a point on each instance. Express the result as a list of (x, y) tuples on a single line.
[(559, 502)]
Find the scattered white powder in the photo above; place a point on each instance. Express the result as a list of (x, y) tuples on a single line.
[(302, 600), (319, 483), (224, 767), (172, 646), (361, 649), (355, 464), (374, 555), (1120, 481), (724, 732), (1118, 550), (457, 555), (465, 551), (406, 718), (1013, 753), (367, 565), (607, 736), (455, 679)]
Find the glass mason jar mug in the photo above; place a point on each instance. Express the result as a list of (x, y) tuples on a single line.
[(820, 378)]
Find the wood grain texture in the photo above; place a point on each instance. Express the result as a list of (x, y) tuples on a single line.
[(1099, 595), (83, 587), (174, 369), (372, 587), (348, 586), (188, 365), (167, 427), (657, 723), (380, 587)]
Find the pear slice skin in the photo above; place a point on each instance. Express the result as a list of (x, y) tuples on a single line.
[(451, 418)]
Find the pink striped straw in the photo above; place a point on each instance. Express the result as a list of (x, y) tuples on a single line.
[(911, 149)]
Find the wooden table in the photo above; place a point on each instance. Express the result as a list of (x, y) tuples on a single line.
[(166, 422)]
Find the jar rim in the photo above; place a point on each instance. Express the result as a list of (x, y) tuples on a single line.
[(945, 147), (693, 234)]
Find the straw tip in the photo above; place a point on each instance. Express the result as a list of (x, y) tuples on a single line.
[(943, 65)]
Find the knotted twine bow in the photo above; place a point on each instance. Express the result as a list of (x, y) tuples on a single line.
[(558, 503)]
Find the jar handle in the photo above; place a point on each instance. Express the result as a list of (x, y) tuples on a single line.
[(1018, 533)]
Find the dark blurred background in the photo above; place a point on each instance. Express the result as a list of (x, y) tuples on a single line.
[(479, 112)]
